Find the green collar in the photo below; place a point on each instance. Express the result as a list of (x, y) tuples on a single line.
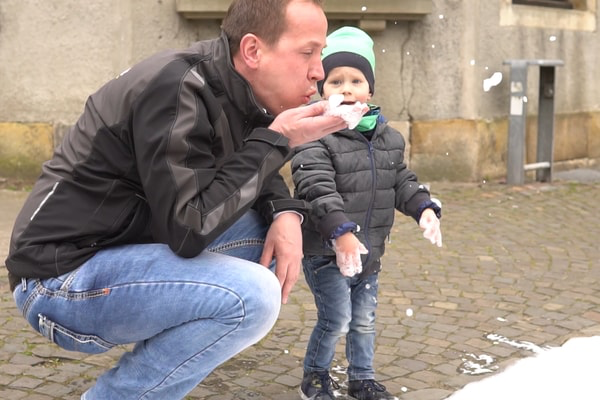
[(369, 121)]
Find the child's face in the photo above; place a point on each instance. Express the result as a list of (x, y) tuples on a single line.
[(348, 81)]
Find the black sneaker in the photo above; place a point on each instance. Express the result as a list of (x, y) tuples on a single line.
[(317, 386), (368, 389)]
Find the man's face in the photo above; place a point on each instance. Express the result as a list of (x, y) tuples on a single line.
[(288, 70)]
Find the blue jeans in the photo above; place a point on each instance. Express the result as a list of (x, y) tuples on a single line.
[(345, 306), (185, 315)]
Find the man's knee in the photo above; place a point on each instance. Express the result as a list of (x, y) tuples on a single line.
[(263, 300)]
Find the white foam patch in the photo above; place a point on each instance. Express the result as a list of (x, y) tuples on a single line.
[(516, 343), (351, 113), (473, 364), (559, 373)]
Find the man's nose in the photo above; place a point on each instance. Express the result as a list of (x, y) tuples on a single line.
[(316, 72)]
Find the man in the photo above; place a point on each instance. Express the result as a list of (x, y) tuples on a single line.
[(150, 222)]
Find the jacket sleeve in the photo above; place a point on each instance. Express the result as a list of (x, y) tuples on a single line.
[(410, 194), (193, 196), (314, 180), (276, 198)]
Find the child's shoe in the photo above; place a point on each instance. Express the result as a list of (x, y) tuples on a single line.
[(368, 389), (317, 386)]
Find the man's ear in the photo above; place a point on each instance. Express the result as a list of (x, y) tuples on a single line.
[(250, 50)]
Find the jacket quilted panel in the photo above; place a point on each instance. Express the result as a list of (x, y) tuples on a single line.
[(346, 177)]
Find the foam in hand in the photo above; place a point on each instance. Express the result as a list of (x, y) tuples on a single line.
[(351, 113)]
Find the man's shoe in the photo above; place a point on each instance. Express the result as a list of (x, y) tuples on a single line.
[(368, 389), (317, 386)]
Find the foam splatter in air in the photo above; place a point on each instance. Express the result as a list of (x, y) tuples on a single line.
[(492, 81)]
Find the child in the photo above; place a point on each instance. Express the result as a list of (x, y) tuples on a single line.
[(354, 180)]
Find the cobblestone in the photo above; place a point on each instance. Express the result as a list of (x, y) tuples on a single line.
[(519, 262)]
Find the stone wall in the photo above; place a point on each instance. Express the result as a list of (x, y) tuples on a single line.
[(429, 76)]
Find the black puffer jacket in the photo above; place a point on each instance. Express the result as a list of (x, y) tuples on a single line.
[(346, 177), (172, 151)]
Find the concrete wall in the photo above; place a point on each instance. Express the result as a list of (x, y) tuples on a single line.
[(429, 75)]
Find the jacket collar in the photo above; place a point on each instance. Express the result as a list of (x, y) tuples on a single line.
[(381, 123), (236, 87)]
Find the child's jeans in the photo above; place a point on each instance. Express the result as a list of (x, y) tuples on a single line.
[(345, 306), (186, 315)]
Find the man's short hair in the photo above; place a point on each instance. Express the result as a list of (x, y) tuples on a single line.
[(264, 18)]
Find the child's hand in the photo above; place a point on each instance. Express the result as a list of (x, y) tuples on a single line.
[(347, 252), (430, 224)]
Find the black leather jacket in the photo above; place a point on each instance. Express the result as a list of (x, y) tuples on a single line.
[(174, 150)]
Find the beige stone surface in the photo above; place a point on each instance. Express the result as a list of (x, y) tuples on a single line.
[(23, 149), (430, 70)]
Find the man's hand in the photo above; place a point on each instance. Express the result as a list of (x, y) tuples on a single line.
[(307, 123), (284, 242), (430, 224)]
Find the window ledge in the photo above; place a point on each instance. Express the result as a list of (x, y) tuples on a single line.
[(371, 17), (546, 17)]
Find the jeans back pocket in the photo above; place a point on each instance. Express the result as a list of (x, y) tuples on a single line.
[(70, 340)]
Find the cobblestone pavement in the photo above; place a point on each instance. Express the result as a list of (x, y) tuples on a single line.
[(520, 267)]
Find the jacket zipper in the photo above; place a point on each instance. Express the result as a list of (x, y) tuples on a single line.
[(372, 200)]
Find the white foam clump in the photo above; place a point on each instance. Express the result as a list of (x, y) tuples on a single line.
[(492, 81), (351, 113), (567, 372)]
